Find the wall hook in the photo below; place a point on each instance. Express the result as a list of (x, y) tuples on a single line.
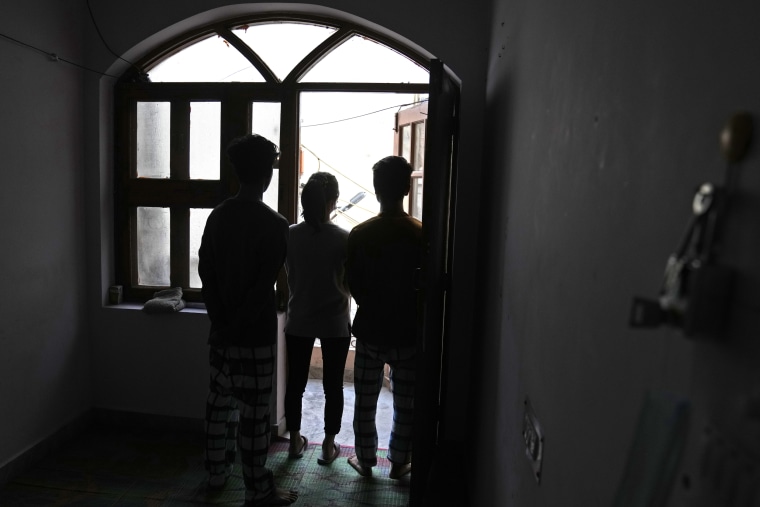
[(735, 137)]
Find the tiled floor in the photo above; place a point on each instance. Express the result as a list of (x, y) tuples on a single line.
[(128, 466), (312, 423)]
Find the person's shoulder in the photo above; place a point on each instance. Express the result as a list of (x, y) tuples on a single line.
[(364, 227), (415, 222), (297, 230), (222, 211), (335, 229), (367, 224), (273, 216), (223, 206), (415, 226), (282, 220)]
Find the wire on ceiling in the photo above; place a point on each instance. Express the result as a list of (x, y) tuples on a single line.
[(53, 56)]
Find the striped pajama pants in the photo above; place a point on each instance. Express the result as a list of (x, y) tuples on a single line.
[(237, 415), (369, 364)]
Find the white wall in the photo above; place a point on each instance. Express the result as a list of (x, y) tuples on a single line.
[(602, 119), (44, 356)]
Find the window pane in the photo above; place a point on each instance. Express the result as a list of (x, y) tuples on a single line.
[(283, 45), (153, 139), (265, 121), (418, 163), (210, 60), (361, 60), (345, 134), (205, 125), (272, 195), (153, 242), (406, 142), (198, 217), (417, 200)]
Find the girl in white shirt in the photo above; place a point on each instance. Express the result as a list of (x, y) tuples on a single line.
[(318, 307)]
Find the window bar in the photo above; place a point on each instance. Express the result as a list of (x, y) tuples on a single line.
[(180, 246), (180, 215), (180, 140), (289, 159), (236, 121)]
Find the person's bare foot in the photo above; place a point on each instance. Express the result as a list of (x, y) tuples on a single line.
[(217, 482), (398, 471), (363, 471), (278, 497)]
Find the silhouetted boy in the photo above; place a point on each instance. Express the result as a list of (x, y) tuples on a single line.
[(383, 254), (241, 253)]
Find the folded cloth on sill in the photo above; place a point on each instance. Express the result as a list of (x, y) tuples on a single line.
[(165, 301)]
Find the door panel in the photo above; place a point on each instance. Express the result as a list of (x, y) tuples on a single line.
[(438, 218)]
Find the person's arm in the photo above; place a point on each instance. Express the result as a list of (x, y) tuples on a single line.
[(206, 270), (270, 261), (354, 269)]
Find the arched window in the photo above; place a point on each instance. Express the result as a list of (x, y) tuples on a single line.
[(331, 95)]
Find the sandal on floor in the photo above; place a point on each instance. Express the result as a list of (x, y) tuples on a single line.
[(324, 460), (299, 454)]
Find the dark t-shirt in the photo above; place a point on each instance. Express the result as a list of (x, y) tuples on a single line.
[(383, 255), (242, 251)]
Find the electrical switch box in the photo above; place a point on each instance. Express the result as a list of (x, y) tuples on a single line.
[(534, 440)]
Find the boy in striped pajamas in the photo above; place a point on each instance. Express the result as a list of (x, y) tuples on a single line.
[(242, 251), (383, 255)]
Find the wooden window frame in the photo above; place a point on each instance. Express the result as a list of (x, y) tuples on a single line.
[(180, 193), (410, 117)]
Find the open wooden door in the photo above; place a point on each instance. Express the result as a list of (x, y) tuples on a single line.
[(438, 218)]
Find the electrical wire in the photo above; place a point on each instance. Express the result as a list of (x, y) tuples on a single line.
[(236, 72), (320, 161), (54, 56), (348, 218), (363, 115), (356, 206), (103, 40)]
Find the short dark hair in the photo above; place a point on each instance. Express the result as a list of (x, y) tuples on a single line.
[(391, 177), (252, 156)]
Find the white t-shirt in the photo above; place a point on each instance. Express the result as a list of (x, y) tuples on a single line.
[(318, 304)]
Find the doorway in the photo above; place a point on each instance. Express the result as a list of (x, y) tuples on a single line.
[(172, 127)]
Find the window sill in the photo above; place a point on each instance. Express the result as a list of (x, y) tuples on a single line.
[(189, 307)]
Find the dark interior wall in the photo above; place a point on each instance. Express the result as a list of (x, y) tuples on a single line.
[(44, 351), (602, 119)]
